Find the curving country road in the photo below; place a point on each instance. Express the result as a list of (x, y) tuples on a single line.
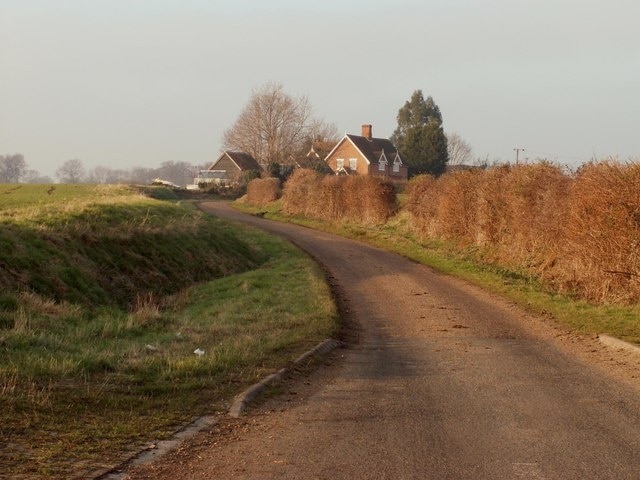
[(445, 382)]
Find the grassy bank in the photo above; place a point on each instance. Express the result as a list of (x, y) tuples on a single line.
[(110, 245), (397, 235), (107, 295)]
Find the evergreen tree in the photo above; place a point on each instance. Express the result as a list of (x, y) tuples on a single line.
[(419, 137)]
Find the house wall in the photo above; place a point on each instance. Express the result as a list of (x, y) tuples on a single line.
[(346, 151), (402, 175), (225, 163)]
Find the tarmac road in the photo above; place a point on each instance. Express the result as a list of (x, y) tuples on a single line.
[(445, 382)]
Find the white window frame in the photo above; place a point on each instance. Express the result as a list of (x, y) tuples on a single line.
[(339, 163), (382, 166), (353, 164), (396, 166)]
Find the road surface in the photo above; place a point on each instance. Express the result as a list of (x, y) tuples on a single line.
[(444, 382)]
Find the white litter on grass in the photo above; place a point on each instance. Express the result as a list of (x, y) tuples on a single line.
[(199, 352), (151, 348)]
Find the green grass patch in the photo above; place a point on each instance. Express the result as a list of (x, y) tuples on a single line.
[(104, 301), (112, 245), (21, 196), (397, 235)]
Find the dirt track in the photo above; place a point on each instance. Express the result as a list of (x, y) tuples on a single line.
[(444, 382)]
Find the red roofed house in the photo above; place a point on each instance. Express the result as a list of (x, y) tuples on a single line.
[(228, 168), (366, 155)]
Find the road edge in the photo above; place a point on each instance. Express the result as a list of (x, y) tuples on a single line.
[(154, 451), (613, 342), (243, 400)]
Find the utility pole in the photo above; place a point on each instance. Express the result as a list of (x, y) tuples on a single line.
[(518, 150)]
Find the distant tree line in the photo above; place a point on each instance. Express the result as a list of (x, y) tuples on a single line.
[(180, 173), (14, 169)]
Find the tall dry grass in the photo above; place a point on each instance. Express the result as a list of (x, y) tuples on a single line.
[(522, 213), (579, 232), (302, 185), (445, 207), (358, 199), (261, 191), (601, 249)]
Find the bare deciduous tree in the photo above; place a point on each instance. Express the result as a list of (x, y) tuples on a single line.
[(140, 175), (460, 152), (98, 174), (12, 168), (71, 171), (34, 176), (323, 131), (320, 135), (175, 172), (272, 127)]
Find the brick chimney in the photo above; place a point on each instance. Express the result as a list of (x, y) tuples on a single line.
[(367, 131)]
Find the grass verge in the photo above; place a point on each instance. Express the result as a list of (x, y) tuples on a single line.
[(81, 383), (396, 235)]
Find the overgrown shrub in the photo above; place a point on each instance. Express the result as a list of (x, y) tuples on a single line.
[(521, 215), (262, 191), (302, 185), (445, 207), (579, 233), (233, 191), (359, 199), (601, 247), (369, 200)]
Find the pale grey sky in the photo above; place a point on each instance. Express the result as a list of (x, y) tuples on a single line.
[(122, 83)]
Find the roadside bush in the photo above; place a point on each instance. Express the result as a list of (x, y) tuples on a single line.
[(359, 199), (301, 186), (330, 204), (454, 207), (446, 207), (421, 196), (261, 191), (600, 254), (578, 233), (517, 211), (369, 200), (233, 191), (521, 215)]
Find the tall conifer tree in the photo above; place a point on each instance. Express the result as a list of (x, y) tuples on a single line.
[(419, 137)]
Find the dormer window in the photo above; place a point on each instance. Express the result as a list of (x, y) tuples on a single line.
[(382, 162)]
